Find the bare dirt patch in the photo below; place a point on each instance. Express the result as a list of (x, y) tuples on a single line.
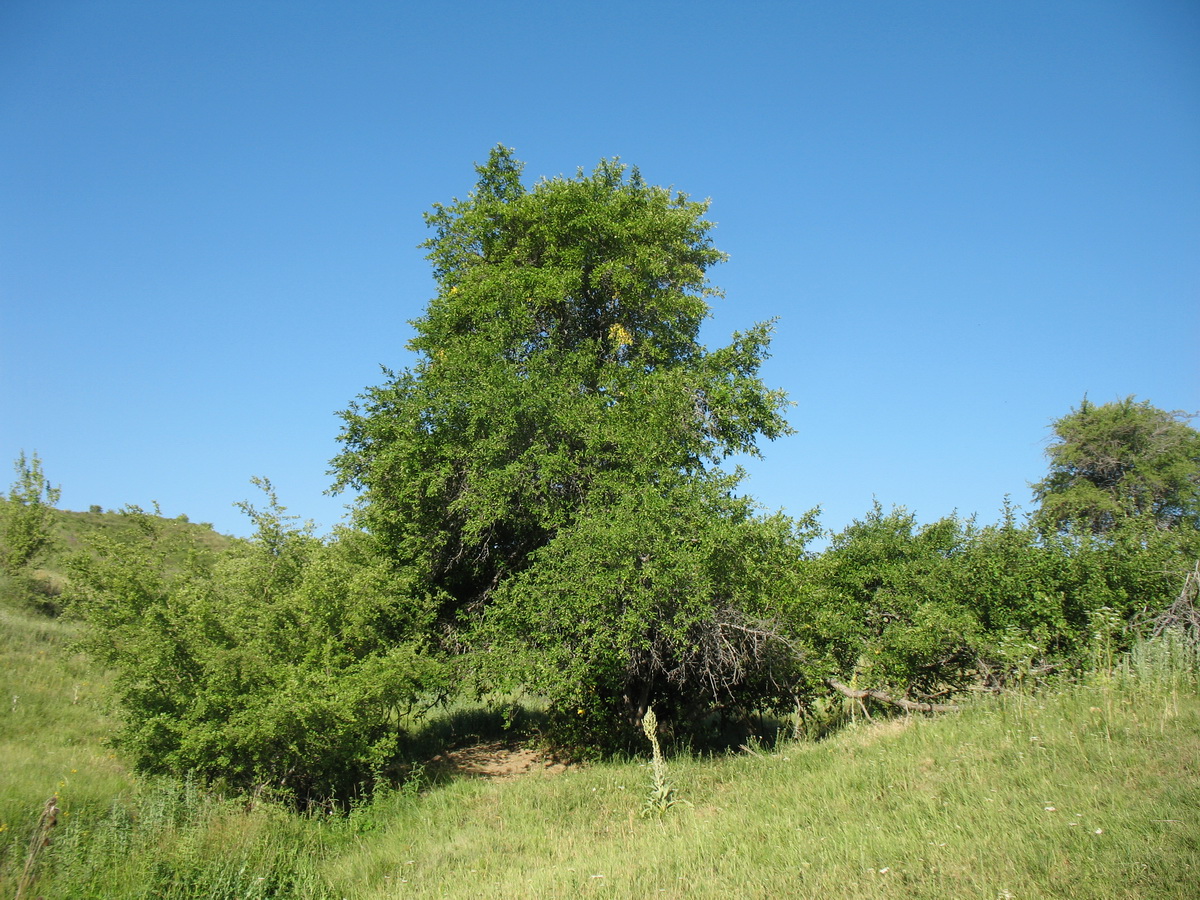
[(496, 761)]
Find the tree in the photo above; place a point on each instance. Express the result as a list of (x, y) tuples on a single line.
[(884, 606), (27, 516), (1119, 461), (559, 369), (666, 598)]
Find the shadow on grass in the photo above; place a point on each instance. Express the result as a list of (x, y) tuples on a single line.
[(425, 746)]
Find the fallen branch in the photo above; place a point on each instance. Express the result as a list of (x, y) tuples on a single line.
[(883, 697), (1182, 615)]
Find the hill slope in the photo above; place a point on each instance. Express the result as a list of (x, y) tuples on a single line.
[(71, 532), (1088, 791)]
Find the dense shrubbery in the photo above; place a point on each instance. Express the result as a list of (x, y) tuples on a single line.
[(923, 611), (665, 598), (291, 662), (286, 664)]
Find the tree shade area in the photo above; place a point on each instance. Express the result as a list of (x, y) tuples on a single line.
[(545, 508)]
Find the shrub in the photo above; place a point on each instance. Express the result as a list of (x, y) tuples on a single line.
[(660, 597), (288, 663)]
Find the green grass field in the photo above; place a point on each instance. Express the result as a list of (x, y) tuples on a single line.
[(1083, 791)]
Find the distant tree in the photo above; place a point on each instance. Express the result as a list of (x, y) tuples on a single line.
[(25, 527), (560, 376), (1118, 461)]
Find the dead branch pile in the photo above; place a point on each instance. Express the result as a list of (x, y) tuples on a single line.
[(1182, 616)]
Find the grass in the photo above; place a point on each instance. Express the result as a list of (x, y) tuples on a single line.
[(54, 718), (70, 531), (1089, 790), (42, 586), (119, 835)]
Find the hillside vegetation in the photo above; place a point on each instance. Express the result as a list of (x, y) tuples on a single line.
[(71, 532), (1079, 790), (548, 556)]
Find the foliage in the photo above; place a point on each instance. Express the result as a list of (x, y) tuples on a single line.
[(910, 796), (25, 526), (1121, 460), (882, 607), (45, 588), (668, 598), (286, 664), (561, 392), (919, 611)]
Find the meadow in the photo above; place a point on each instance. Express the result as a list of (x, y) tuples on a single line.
[(1088, 788)]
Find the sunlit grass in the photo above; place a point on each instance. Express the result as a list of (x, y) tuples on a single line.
[(54, 719), (1087, 791)]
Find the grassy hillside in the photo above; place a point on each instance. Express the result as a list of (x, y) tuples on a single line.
[(72, 532), (1090, 792), (1087, 791)]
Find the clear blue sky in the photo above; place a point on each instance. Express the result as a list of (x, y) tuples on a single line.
[(963, 215)]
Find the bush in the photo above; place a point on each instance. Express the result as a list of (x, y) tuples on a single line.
[(288, 663), (663, 598), (882, 607), (922, 611)]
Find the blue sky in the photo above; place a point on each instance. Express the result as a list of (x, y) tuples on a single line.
[(963, 215)]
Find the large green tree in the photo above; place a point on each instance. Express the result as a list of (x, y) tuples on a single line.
[(559, 369), (1119, 461)]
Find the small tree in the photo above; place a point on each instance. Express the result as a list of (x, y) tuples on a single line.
[(26, 523), (665, 598), (1118, 461), (883, 607)]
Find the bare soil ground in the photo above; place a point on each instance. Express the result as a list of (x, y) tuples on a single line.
[(496, 761)]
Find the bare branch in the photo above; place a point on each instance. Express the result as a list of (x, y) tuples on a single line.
[(883, 697), (1182, 615)]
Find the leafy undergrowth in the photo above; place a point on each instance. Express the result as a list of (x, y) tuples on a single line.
[(1086, 791)]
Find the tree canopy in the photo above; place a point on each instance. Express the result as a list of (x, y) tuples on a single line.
[(559, 365), (1118, 461), (559, 371)]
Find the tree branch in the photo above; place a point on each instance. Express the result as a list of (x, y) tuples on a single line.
[(882, 697)]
